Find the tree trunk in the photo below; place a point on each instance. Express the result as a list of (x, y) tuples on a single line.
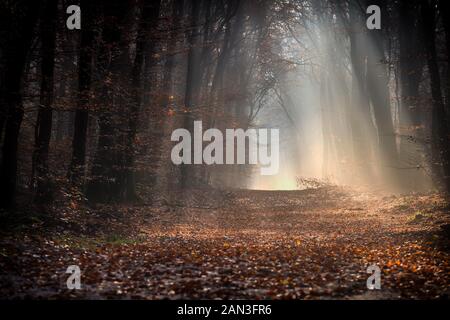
[(193, 81), (177, 14), (440, 140), (377, 82), (361, 124), (445, 9), (410, 113), (79, 140), (149, 18), (411, 66), (17, 47), (44, 117)]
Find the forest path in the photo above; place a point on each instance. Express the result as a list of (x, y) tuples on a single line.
[(313, 244)]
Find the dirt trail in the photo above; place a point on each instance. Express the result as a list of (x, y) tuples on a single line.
[(311, 244)]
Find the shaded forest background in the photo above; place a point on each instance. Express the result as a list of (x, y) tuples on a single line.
[(86, 176), (87, 114)]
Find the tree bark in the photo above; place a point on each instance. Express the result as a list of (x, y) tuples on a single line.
[(193, 81), (44, 117), (445, 9), (108, 167), (361, 124), (377, 82), (149, 19), (79, 140), (440, 140), (411, 65), (20, 24)]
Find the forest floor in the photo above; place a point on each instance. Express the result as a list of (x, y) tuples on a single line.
[(310, 244)]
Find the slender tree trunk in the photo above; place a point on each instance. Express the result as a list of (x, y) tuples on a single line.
[(410, 114), (325, 112), (108, 167), (79, 140), (440, 139), (193, 81), (361, 124), (44, 118), (377, 82), (411, 65), (215, 98), (149, 18), (445, 9)]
